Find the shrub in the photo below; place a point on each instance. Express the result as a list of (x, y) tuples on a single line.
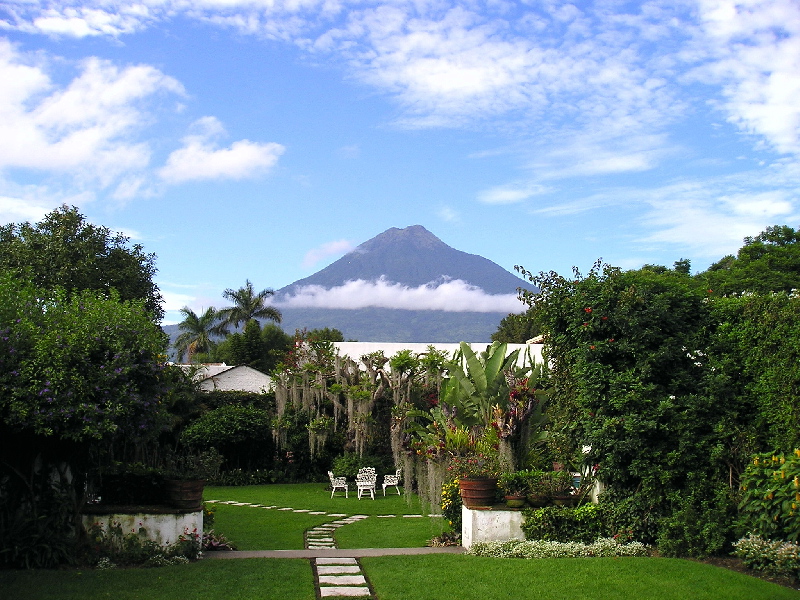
[(605, 547), (585, 523), (110, 547), (770, 556), (132, 483), (451, 504), (348, 464), (770, 505)]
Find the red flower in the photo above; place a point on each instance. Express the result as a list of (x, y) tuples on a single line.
[(611, 340), (588, 309), (591, 347), (604, 318), (585, 324)]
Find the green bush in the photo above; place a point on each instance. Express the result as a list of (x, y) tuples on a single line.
[(771, 556), (585, 523), (698, 526), (237, 477), (132, 483), (452, 504), (348, 464)]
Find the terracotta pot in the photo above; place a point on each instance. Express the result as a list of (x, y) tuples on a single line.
[(185, 493), (538, 501), (515, 501), (565, 500), (478, 492)]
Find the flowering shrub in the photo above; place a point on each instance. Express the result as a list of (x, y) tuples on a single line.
[(475, 466), (112, 547), (451, 504), (770, 504), (770, 556), (604, 547)]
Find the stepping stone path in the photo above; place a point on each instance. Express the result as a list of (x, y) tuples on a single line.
[(340, 578), (335, 577)]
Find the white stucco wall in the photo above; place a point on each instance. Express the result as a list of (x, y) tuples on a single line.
[(164, 529), (241, 378), (356, 350), (490, 526)]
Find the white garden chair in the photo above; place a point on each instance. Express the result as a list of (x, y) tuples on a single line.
[(366, 481), (389, 480), (337, 483)]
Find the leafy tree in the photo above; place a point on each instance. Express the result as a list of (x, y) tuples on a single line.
[(516, 329), (248, 305), (198, 332), (80, 376), (768, 262), (630, 374), (260, 348), (65, 250), (326, 334)]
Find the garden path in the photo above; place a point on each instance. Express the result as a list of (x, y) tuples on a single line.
[(337, 573)]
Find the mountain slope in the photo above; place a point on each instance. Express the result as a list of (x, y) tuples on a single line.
[(412, 256)]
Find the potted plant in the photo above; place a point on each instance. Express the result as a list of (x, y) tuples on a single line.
[(538, 488), (477, 473), (514, 487), (562, 488), (185, 477)]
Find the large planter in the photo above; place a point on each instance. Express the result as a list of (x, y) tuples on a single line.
[(185, 493), (478, 492)]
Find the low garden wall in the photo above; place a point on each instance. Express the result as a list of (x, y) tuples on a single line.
[(490, 525), (161, 524)]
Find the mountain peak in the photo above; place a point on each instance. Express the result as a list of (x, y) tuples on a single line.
[(415, 236), (413, 257)]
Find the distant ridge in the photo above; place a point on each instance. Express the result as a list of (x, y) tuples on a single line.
[(412, 256)]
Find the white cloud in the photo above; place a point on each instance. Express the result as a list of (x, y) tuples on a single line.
[(755, 47), (86, 129), (201, 159), (511, 194), (338, 247), (451, 296), (449, 215)]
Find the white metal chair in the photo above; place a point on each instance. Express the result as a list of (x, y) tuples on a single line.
[(394, 480), (365, 481), (338, 483)]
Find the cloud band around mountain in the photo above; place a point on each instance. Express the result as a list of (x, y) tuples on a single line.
[(452, 296)]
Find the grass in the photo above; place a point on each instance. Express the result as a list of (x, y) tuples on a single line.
[(245, 579), (252, 528), (434, 577), (393, 577)]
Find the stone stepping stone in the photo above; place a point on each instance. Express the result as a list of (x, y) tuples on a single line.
[(329, 592), (316, 512), (285, 509), (386, 516), (337, 515), (338, 569), (336, 561), (342, 580), (412, 516), (301, 510)]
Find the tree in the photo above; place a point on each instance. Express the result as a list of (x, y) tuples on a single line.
[(65, 250), (80, 373), (326, 334), (768, 262), (198, 332), (247, 305), (516, 329)]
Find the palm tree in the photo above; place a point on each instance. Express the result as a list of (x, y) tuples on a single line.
[(198, 331), (248, 305)]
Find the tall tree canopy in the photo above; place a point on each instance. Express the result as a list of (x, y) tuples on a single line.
[(64, 250), (247, 305), (768, 262)]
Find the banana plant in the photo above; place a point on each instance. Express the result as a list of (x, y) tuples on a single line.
[(477, 383)]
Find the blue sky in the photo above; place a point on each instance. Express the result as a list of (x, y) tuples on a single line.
[(263, 139)]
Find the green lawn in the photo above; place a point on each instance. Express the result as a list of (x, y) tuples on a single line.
[(433, 577)]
